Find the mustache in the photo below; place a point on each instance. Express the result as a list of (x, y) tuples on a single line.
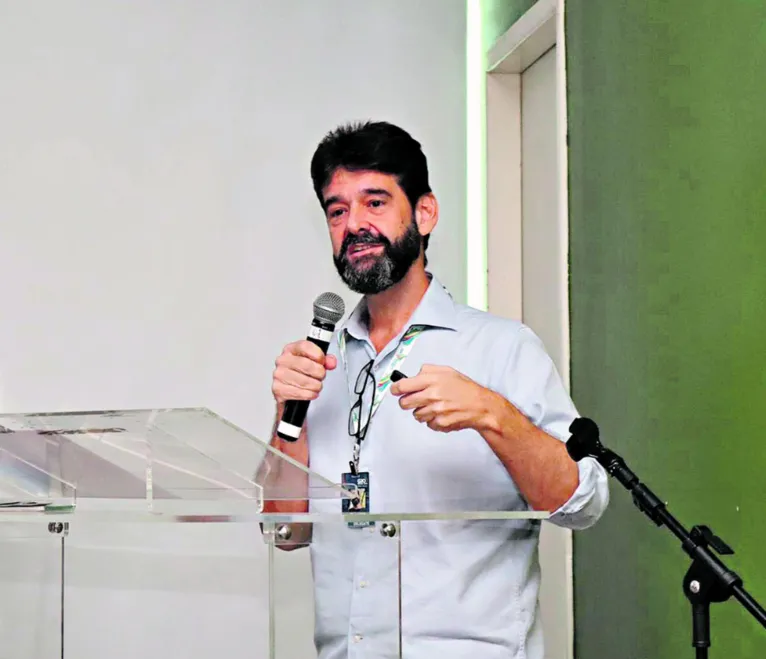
[(363, 238)]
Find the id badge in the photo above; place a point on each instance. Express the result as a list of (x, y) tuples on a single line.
[(359, 485)]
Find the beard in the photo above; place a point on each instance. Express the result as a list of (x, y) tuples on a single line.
[(375, 273)]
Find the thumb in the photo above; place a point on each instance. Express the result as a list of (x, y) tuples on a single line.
[(330, 362)]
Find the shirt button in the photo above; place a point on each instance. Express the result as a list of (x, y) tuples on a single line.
[(363, 584), (357, 638)]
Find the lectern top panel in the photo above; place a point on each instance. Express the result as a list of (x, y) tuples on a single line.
[(182, 460)]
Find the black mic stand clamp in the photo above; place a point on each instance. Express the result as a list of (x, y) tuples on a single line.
[(708, 579), (705, 583)]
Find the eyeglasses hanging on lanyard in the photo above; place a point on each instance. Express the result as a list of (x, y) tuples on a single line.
[(357, 422), (379, 389)]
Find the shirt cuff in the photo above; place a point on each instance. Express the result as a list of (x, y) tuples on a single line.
[(588, 502)]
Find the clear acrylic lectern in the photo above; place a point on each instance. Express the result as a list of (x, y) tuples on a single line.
[(167, 465)]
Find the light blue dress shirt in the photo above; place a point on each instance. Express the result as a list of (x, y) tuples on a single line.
[(468, 588)]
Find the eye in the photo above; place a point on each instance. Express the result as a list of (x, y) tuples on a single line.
[(334, 213), (376, 203)]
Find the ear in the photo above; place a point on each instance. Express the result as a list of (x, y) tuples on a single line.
[(427, 213)]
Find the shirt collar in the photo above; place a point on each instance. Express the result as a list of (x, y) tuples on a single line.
[(436, 310)]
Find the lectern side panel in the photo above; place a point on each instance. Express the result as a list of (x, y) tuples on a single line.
[(156, 591), (31, 604), (290, 593)]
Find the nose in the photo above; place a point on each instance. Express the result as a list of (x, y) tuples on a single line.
[(357, 220)]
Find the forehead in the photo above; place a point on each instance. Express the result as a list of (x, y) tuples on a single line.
[(347, 184)]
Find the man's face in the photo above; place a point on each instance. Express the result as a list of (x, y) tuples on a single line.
[(375, 238)]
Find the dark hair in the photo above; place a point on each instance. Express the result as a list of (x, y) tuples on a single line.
[(375, 146)]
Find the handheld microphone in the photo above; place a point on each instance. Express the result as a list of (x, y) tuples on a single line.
[(328, 310)]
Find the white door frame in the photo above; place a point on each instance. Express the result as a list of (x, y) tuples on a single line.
[(534, 34)]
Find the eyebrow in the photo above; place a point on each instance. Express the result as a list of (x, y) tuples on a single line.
[(330, 201), (368, 191), (377, 191)]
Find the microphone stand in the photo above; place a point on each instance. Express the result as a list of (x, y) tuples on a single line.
[(708, 579)]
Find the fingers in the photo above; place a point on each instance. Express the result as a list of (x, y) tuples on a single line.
[(300, 371), (410, 385), (303, 357), (434, 396), (283, 392), (428, 374), (295, 378), (416, 399), (306, 349), (425, 414), (438, 419)]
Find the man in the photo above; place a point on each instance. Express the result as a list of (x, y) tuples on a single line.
[(478, 424)]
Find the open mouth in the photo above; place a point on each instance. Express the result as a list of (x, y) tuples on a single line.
[(363, 249)]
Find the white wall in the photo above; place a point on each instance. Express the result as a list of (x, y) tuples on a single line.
[(160, 242)]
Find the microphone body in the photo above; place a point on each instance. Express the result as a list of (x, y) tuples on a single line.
[(328, 310)]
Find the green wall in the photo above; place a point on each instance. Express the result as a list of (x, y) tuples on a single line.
[(667, 103), (498, 16)]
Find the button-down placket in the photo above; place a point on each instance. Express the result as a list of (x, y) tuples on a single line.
[(374, 607)]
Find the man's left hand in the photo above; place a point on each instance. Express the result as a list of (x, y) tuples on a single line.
[(446, 400)]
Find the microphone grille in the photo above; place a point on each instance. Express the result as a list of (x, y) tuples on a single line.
[(329, 307)]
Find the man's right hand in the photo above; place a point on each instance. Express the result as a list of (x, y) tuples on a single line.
[(300, 371)]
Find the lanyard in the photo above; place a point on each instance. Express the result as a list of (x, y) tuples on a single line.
[(382, 386)]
